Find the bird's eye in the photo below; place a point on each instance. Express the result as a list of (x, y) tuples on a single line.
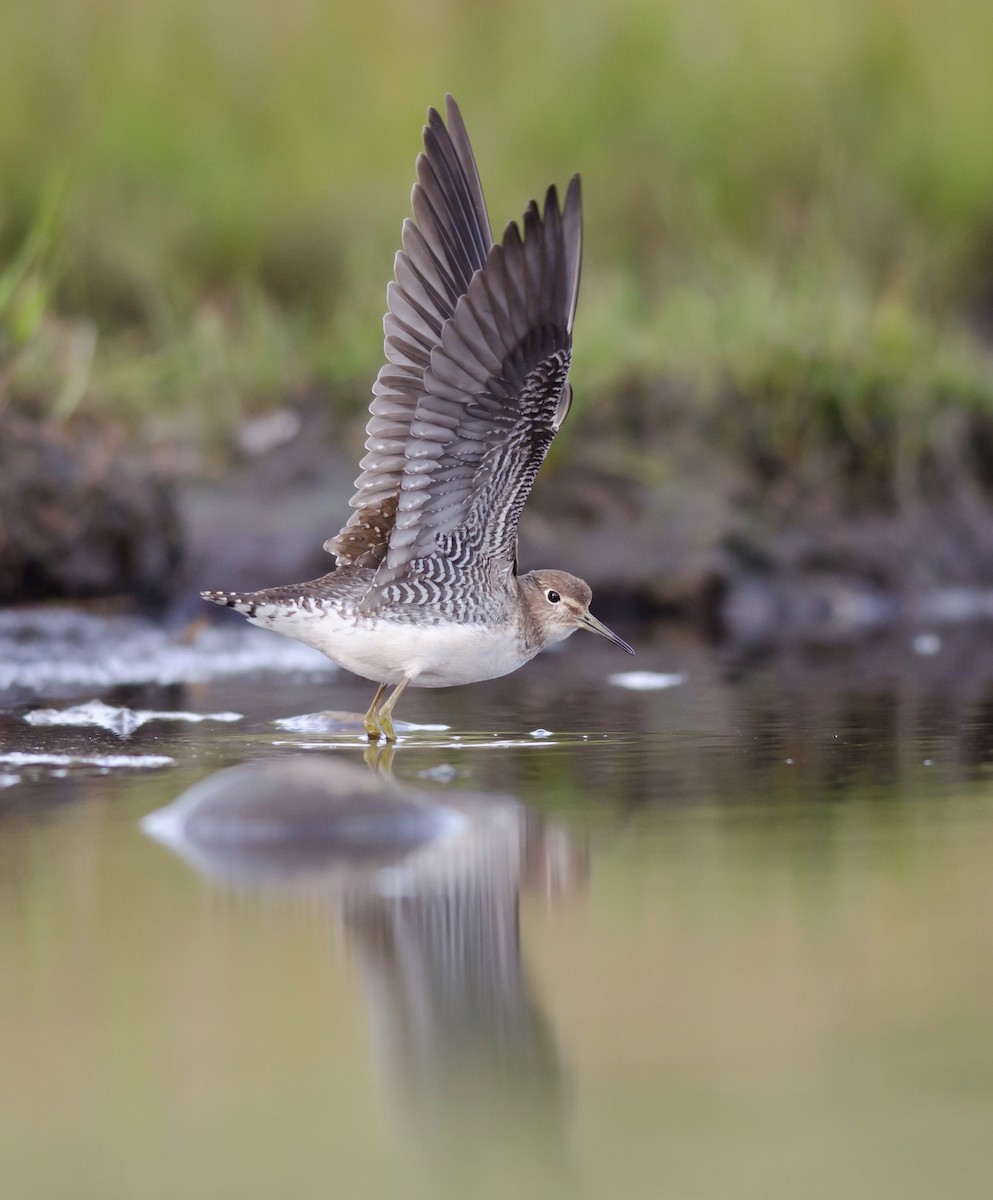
[(553, 597)]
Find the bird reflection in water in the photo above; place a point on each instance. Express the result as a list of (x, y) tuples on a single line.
[(427, 885)]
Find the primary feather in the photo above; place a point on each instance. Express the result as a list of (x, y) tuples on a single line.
[(442, 249)]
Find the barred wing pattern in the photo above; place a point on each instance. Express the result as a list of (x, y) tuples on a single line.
[(493, 396), (443, 247)]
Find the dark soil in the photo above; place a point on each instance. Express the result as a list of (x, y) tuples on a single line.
[(82, 515), (706, 539)]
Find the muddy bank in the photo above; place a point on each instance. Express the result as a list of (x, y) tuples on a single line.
[(680, 530), (83, 514)]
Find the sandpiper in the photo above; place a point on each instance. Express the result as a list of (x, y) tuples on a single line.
[(425, 590)]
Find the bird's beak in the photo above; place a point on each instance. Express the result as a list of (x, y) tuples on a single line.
[(590, 622)]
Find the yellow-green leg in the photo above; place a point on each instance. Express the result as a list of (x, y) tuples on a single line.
[(370, 720), (385, 714)]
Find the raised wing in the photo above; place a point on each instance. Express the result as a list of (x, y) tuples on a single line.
[(443, 247), (493, 396)]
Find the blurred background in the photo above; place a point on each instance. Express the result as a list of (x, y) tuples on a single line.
[(782, 356), (735, 940)]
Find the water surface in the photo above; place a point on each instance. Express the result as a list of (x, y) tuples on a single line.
[(725, 938)]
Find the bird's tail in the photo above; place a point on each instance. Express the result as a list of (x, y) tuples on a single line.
[(243, 602)]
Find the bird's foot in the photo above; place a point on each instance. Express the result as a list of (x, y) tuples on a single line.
[(380, 728)]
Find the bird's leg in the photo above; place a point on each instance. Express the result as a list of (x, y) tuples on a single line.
[(385, 713), (370, 720)]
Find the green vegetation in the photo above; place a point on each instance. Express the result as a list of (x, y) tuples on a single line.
[(789, 208)]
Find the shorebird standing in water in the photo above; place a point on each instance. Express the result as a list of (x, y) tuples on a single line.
[(425, 591)]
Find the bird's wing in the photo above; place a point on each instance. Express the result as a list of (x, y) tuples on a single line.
[(443, 247), (492, 398)]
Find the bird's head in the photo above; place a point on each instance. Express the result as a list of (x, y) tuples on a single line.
[(559, 604)]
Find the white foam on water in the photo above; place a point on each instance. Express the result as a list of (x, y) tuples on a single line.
[(323, 722), (314, 722), (645, 681), (17, 758), (122, 721), (7, 780), (49, 648)]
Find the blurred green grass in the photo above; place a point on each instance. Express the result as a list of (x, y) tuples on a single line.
[(790, 207)]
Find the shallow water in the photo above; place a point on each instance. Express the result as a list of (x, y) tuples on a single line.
[(722, 935)]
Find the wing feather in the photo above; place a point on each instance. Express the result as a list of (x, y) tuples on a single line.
[(443, 248), (499, 376), (477, 340)]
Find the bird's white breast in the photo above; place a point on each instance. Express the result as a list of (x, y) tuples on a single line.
[(436, 655)]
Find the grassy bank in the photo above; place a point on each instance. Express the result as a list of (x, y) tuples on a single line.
[(789, 208)]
